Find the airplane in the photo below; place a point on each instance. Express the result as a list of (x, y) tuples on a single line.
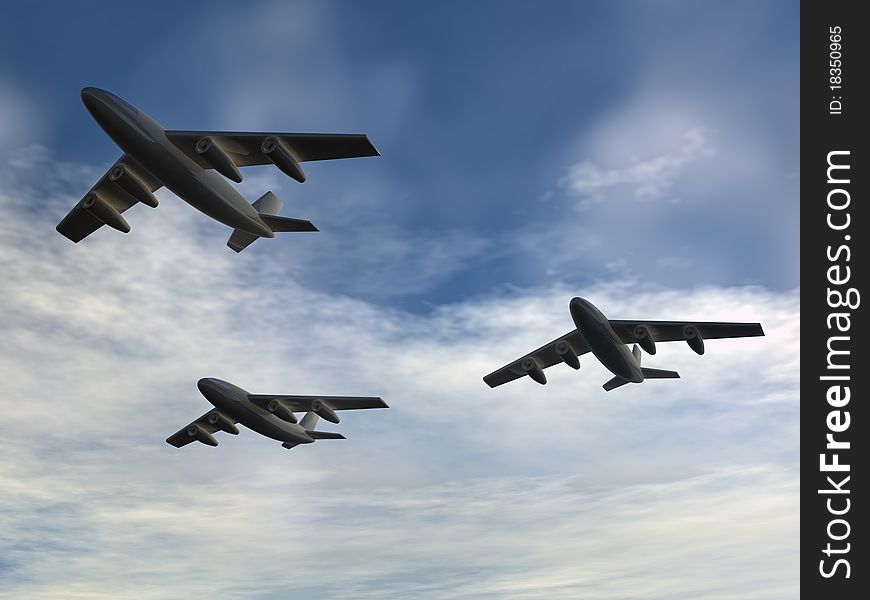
[(608, 341), (190, 164), (270, 415)]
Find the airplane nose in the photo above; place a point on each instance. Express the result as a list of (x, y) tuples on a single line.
[(204, 385), (579, 311), (91, 97)]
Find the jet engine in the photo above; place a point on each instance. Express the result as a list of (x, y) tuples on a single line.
[(131, 184), (320, 408), (533, 370), (105, 212), (693, 338), (218, 158), (278, 409), (278, 153), (567, 354), (218, 420), (201, 435), (645, 339)]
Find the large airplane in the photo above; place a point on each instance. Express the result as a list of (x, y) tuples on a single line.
[(608, 341), (268, 414), (190, 164)]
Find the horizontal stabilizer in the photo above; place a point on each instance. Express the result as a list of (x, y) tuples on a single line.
[(659, 374), (325, 435), (280, 224), (239, 240), (647, 374), (615, 383)]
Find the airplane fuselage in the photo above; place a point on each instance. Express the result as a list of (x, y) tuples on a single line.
[(603, 342), (233, 401), (145, 140)]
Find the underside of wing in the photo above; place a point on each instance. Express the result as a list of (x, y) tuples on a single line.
[(671, 331), (646, 333), (125, 184), (202, 430), (305, 403), (226, 150), (565, 349), (284, 406)]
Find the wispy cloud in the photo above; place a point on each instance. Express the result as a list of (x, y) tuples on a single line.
[(498, 537), (456, 491), (682, 175), (18, 123), (670, 489), (648, 178)]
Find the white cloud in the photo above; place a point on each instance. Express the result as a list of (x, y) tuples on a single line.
[(720, 535), (661, 490), (649, 178), (695, 177)]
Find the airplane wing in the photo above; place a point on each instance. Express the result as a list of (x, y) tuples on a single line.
[(305, 403), (125, 184), (202, 429), (246, 148), (564, 349), (672, 331)]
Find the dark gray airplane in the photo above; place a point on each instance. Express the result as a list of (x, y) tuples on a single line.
[(608, 342), (185, 162), (267, 414)]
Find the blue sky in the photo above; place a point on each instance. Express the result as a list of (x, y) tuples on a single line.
[(643, 155), (481, 114)]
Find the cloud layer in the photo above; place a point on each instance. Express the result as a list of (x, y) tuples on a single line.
[(664, 490), (519, 169)]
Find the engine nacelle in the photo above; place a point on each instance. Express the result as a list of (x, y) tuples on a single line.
[(644, 339), (567, 354), (534, 370), (217, 158), (278, 153), (216, 419), (277, 408), (693, 338), (105, 212), (131, 184), (201, 435), (320, 408)]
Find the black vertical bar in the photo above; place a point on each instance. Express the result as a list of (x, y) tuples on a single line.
[(834, 224)]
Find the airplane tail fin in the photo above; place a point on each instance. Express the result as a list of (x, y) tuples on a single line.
[(309, 421), (268, 205), (647, 373)]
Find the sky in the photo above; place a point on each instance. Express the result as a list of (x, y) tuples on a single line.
[(641, 155)]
